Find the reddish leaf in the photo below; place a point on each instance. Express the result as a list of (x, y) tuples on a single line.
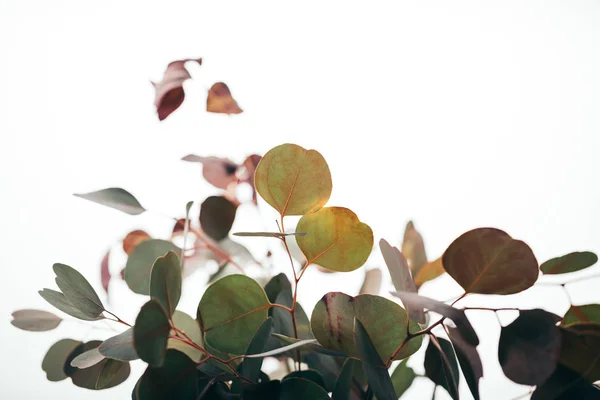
[(413, 248), (134, 238), (220, 100), (246, 173), (169, 91), (105, 272), (179, 227), (469, 360), (219, 172)]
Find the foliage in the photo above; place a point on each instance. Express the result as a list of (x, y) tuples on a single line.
[(350, 343)]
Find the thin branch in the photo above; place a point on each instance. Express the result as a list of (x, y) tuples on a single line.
[(119, 320)]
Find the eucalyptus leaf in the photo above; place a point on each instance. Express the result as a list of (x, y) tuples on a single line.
[(469, 360), (60, 301), (78, 290), (151, 333), (250, 368), (116, 198), (402, 378), (165, 282), (87, 359), (308, 374), (571, 262), (343, 384), (56, 359), (119, 347), (302, 389), (138, 269), (35, 320), (441, 366)]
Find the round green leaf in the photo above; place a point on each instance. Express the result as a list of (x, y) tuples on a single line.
[(569, 263), (139, 263), (108, 373), (190, 327), (302, 389), (335, 239), (332, 323), (35, 320), (489, 261), (56, 358), (151, 333), (216, 217), (119, 347), (117, 198), (165, 281), (402, 378), (293, 180), (585, 314), (230, 312)]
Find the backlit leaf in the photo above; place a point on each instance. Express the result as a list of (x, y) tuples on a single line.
[(110, 373), (169, 91), (78, 290), (413, 248), (335, 239), (372, 282), (117, 198), (87, 359), (302, 389), (230, 312), (151, 332), (139, 263), (529, 347), (56, 359), (441, 366), (219, 100), (190, 327), (571, 262), (165, 282), (134, 238), (429, 271), (219, 172), (489, 261), (584, 314), (35, 320), (58, 300), (293, 180), (247, 175), (119, 347), (469, 361), (332, 323), (216, 216), (402, 378)]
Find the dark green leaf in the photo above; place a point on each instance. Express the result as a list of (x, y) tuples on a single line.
[(165, 282), (87, 359), (116, 198), (279, 283), (77, 290), (151, 332), (35, 320), (269, 234), (111, 369), (585, 314), (310, 375), (270, 390), (119, 347), (343, 384), (402, 378), (56, 358), (329, 366), (216, 217), (566, 384), (283, 318), (375, 369), (571, 262), (177, 378), (580, 351), (441, 366), (58, 300), (88, 378), (529, 347), (250, 368), (139, 265), (469, 360), (302, 389)]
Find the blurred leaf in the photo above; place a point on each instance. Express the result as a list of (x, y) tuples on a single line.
[(87, 359), (134, 238), (571, 262), (308, 374), (413, 300), (335, 239), (117, 198), (216, 217), (35, 320), (105, 271), (302, 389), (220, 101), (165, 282), (78, 290), (489, 261), (343, 384), (585, 314), (441, 366), (580, 352), (375, 369), (139, 264), (219, 172), (169, 91), (413, 248), (111, 369), (293, 180), (332, 323), (469, 360), (250, 368), (247, 174), (190, 327), (402, 378), (177, 378), (151, 332), (58, 300), (565, 384), (276, 285), (429, 271), (372, 282), (56, 358), (230, 312), (529, 347), (106, 371), (119, 347), (269, 234)]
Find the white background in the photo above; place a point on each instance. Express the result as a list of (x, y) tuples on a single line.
[(455, 114)]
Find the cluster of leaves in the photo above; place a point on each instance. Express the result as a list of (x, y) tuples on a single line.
[(348, 346)]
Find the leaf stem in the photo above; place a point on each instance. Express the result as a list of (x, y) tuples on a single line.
[(119, 320), (492, 309), (215, 249)]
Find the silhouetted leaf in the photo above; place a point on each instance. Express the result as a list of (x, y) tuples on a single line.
[(302, 389), (175, 379), (402, 378), (139, 264), (219, 172), (151, 332), (87, 359), (308, 374), (117, 198), (372, 282), (105, 271), (250, 368), (373, 366), (78, 290), (571, 262), (332, 323), (134, 238), (529, 347), (230, 312), (335, 239), (293, 180), (216, 216), (35, 320), (270, 390), (469, 361), (169, 91), (580, 315), (441, 366), (413, 300), (58, 300), (56, 359), (165, 282), (489, 261), (220, 101), (276, 285), (343, 384), (580, 351), (429, 271), (565, 384), (413, 248), (269, 234), (119, 347), (108, 373)]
